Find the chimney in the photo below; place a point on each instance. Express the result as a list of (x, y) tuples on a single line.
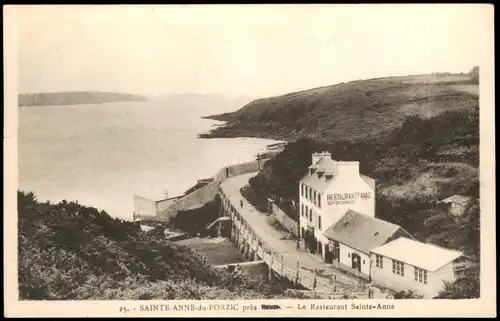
[(317, 156), (348, 168)]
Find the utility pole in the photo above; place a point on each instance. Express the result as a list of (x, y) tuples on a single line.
[(259, 158)]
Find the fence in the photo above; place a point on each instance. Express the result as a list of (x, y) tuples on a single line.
[(284, 265), (299, 274), (329, 295)]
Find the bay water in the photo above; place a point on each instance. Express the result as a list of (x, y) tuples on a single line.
[(101, 155)]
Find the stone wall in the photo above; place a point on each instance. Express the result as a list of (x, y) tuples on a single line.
[(193, 200), (206, 193), (285, 221)]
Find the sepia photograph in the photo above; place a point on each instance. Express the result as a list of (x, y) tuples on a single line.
[(238, 159)]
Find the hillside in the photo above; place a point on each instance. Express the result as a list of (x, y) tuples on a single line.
[(414, 165), (75, 98), (417, 136), (351, 111), (68, 251)]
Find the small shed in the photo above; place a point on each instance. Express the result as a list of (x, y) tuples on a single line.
[(455, 205)]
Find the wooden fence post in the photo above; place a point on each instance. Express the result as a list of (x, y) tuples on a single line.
[(297, 276), (331, 287), (281, 273), (314, 283), (271, 266)]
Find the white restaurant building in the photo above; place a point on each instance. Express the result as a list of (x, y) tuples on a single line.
[(326, 193)]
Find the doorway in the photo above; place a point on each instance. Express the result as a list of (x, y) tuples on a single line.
[(328, 255), (356, 262), (310, 240)]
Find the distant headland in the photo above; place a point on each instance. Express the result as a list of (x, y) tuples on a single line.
[(75, 98)]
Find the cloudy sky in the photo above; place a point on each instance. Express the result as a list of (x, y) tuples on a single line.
[(240, 50)]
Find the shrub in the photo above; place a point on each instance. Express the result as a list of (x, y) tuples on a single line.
[(72, 252), (463, 288), (410, 294)]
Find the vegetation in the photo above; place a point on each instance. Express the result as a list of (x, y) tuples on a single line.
[(68, 251), (258, 201), (407, 295), (409, 171), (196, 220), (355, 110), (463, 288)]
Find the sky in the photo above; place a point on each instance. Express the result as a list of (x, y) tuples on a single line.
[(256, 50)]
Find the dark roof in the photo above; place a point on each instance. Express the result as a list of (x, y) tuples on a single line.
[(360, 231), (327, 166)]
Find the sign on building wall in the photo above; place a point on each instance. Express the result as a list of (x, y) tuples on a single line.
[(347, 198)]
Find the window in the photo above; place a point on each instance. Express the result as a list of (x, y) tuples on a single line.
[(302, 209), (420, 275), (314, 196), (319, 222), (379, 261), (398, 268), (319, 200), (310, 214), (306, 213), (302, 190)]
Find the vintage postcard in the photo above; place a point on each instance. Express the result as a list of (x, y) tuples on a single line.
[(249, 161)]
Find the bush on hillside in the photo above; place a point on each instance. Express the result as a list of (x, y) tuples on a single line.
[(68, 251), (196, 220), (462, 288), (259, 201)]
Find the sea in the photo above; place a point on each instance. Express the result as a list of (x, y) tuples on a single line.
[(101, 155)]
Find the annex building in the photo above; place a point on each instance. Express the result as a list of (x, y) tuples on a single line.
[(405, 264)]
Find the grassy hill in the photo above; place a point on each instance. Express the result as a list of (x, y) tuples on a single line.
[(418, 136), (68, 251), (75, 98), (351, 111)]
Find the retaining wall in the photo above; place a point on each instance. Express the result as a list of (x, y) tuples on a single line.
[(193, 200), (285, 220), (206, 193)]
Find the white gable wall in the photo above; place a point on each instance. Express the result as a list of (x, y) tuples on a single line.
[(385, 277), (347, 192), (346, 258)]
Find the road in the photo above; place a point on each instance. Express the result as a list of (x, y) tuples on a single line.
[(272, 240)]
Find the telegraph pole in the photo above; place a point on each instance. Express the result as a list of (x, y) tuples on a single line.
[(259, 158)]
